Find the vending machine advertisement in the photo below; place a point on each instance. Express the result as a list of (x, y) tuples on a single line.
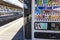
[(45, 19)]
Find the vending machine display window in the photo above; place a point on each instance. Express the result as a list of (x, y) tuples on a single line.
[(47, 26), (54, 26), (41, 26)]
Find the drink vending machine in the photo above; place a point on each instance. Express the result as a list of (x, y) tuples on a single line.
[(45, 19)]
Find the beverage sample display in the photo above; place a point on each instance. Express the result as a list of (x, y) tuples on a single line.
[(39, 2), (47, 14)]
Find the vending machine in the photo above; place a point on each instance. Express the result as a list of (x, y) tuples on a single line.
[(45, 19)]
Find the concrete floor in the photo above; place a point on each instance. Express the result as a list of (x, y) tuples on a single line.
[(14, 32)]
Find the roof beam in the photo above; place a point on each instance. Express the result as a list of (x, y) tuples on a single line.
[(9, 5), (14, 2)]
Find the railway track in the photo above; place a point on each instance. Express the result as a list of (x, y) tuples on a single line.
[(6, 19)]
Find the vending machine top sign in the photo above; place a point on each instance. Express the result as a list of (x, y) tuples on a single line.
[(45, 19)]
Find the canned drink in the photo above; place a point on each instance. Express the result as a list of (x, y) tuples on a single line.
[(48, 11), (54, 16), (58, 2), (45, 17), (37, 26), (59, 16), (41, 11), (37, 11), (48, 17), (50, 2), (53, 2), (36, 17), (41, 16), (39, 2), (45, 2)]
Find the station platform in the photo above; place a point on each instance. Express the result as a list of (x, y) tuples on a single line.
[(10, 30)]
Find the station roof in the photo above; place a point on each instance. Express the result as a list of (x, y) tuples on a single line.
[(9, 5)]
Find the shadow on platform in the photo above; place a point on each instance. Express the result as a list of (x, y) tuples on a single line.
[(19, 35)]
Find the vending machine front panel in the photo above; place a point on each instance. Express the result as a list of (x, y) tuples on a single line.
[(45, 19)]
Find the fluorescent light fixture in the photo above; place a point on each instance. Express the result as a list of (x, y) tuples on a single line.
[(15, 2)]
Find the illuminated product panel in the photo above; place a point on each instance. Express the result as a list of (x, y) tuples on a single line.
[(47, 26), (40, 25), (46, 12)]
